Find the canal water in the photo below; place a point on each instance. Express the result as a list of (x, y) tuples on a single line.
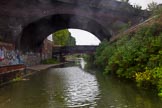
[(73, 87)]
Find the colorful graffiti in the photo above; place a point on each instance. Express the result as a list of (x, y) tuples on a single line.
[(10, 56), (14, 57)]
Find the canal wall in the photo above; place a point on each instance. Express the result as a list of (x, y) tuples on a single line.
[(10, 72), (9, 55), (13, 62)]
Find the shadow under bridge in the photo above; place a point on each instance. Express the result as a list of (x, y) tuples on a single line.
[(66, 50)]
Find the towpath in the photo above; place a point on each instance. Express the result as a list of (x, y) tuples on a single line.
[(44, 66)]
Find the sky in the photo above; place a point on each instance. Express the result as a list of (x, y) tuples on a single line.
[(85, 38), (143, 3)]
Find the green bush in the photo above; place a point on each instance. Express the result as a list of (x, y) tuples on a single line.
[(103, 53), (136, 56)]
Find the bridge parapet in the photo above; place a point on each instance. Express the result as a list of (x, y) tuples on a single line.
[(73, 49)]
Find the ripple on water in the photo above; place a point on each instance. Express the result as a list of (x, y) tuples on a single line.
[(81, 88)]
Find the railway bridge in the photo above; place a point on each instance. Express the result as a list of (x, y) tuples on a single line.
[(26, 23)]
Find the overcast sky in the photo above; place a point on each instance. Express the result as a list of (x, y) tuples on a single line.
[(85, 38), (144, 3)]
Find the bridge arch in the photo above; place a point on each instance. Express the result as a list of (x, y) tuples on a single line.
[(22, 19), (34, 33)]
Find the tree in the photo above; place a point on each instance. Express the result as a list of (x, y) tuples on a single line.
[(138, 7), (71, 41), (155, 8), (152, 6), (63, 38)]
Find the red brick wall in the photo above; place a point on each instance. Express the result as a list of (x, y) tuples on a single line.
[(47, 49)]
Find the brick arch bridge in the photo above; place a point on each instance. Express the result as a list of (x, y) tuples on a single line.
[(27, 23)]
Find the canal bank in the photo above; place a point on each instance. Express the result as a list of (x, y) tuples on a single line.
[(12, 73), (136, 55), (16, 64), (44, 66)]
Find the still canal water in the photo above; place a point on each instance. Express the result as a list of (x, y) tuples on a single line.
[(73, 87)]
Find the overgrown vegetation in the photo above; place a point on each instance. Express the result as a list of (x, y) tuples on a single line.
[(136, 56), (50, 61), (154, 8)]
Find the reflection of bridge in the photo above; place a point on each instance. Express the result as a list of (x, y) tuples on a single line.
[(74, 49)]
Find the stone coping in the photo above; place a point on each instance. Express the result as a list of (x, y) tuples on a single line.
[(44, 66)]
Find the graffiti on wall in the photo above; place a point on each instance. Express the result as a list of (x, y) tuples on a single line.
[(10, 56), (14, 57)]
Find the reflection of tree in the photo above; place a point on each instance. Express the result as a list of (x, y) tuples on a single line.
[(120, 93), (63, 38)]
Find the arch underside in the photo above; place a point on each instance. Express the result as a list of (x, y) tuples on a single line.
[(34, 33)]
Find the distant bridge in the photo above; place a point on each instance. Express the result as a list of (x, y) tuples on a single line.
[(74, 50)]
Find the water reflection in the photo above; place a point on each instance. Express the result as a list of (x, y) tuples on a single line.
[(80, 88), (117, 93), (81, 62), (74, 87)]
